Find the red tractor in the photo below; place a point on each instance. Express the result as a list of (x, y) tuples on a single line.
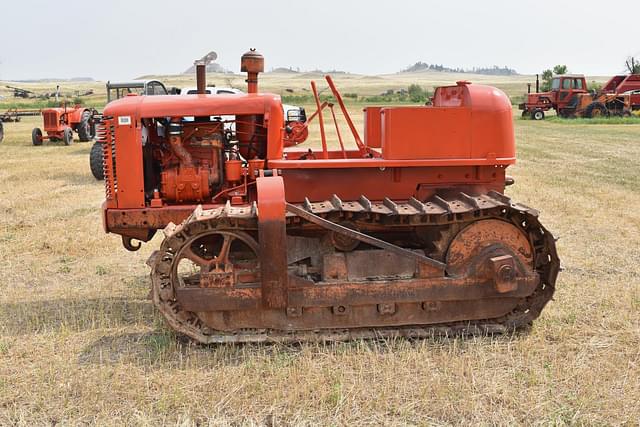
[(61, 122), (570, 97), (406, 232)]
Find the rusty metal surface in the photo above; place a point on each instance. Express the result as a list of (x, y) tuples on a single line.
[(367, 265), (354, 234), (352, 294), (388, 308), (273, 241)]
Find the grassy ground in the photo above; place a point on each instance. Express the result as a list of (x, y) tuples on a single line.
[(80, 343)]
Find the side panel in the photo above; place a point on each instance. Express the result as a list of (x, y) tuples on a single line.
[(492, 135), (372, 127), (631, 82), (129, 176), (426, 133), (394, 183)]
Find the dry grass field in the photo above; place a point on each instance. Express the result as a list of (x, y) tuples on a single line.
[(80, 343), (294, 84)]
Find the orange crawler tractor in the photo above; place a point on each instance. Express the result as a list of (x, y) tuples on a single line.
[(408, 233)]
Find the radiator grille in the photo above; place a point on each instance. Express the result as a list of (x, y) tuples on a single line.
[(105, 133), (50, 119)]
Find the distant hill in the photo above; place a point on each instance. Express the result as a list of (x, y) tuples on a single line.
[(51, 79), (490, 71), (285, 70), (291, 70), (329, 72)]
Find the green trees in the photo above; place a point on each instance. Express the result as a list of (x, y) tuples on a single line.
[(417, 93), (547, 76)]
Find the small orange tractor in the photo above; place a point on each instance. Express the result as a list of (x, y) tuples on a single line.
[(404, 232), (61, 122), (569, 96)]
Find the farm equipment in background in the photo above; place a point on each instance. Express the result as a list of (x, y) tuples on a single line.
[(27, 94), (119, 90), (570, 97), (61, 122), (116, 91), (22, 93), (15, 114), (407, 233)]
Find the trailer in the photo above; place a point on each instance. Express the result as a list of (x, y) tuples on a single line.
[(15, 114)]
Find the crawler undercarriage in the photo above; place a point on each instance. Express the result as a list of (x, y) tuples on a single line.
[(454, 264)]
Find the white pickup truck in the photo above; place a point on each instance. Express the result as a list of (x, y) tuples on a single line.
[(292, 113)]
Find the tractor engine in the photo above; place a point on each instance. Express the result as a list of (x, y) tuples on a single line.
[(190, 161), (193, 147)]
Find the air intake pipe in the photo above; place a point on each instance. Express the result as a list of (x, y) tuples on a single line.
[(175, 140), (252, 63)]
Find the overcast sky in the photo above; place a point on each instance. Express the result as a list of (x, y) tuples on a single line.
[(118, 39)]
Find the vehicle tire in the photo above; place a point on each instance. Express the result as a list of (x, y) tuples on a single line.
[(86, 128), (36, 136), (596, 109), (67, 136), (1, 131), (96, 158), (537, 115), (525, 114)]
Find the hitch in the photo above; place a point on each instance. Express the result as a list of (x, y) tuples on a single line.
[(128, 245)]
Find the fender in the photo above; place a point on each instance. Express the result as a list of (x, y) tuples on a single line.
[(75, 114), (272, 238)]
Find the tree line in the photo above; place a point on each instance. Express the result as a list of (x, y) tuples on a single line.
[(494, 70)]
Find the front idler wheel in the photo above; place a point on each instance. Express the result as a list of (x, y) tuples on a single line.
[(196, 257)]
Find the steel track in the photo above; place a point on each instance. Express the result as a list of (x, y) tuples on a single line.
[(457, 210)]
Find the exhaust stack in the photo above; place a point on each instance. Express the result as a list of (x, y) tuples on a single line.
[(201, 76), (252, 63), (201, 71)]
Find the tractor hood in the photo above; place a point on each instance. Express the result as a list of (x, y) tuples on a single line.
[(196, 105)]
